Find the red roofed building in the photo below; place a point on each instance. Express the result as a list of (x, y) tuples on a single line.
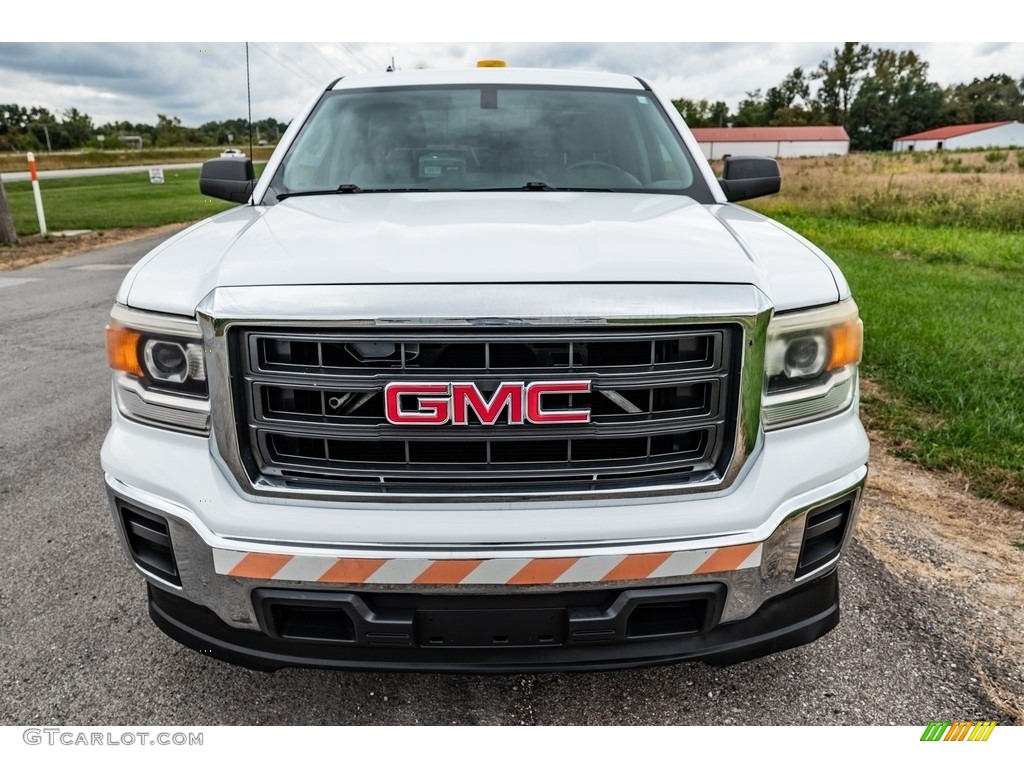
[(793, 141), (976, 136)]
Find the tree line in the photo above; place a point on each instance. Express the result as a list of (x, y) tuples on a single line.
[(36, 129), (877, 95)]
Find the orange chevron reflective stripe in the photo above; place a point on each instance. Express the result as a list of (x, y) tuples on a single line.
[(636, 567), (447, 571), (260, 565), (513, 571), (727, 559), (352, 570), (543, 570)]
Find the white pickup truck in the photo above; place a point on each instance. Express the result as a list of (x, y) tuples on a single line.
[(486, 372)]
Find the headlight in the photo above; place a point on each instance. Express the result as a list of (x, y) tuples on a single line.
[(173, 362), (160, 371), (811, 364)]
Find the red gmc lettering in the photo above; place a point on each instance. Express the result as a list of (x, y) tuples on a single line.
[(519, 402), (535, 411), (466, 396), (432, 410)]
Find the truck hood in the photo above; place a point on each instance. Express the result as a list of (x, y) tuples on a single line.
[(473, 237)]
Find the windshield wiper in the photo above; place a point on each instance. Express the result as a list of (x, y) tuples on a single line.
[(537, 186), (543, 186), (344, 189), (349, 189)]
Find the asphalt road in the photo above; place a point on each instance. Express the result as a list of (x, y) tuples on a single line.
[(72, 173), (77, 646)]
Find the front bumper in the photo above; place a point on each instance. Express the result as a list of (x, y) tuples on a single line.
[(269, 604), (794, 618)]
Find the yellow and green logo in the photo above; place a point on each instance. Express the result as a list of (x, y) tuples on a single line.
[(960, 730)]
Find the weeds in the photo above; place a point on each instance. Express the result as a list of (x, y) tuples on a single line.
[(913, 188), (105, 202)]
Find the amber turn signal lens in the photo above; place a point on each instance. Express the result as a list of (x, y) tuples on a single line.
[(123, 350), (847, 344)]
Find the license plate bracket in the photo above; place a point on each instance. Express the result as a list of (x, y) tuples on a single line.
[(490, 628)]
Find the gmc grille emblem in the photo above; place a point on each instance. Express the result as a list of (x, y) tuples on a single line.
[(513, 402)]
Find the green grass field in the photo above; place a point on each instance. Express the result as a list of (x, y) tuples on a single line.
[(944, 329), (105, 202)]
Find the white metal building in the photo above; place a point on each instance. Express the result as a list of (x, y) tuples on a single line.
[(976, 136), (793, 141)]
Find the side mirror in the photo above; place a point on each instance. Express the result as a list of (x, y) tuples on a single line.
[(228, 178), (744, 178)]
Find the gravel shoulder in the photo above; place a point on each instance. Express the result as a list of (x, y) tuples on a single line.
[(936, 538), (36, 249)]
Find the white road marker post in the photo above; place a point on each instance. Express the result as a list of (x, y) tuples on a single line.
[(35, 191)]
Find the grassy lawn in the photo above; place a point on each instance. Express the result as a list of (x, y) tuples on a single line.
[(104, 202), (944, 328)]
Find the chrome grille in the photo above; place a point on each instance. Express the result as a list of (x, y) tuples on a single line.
[(662, 403)]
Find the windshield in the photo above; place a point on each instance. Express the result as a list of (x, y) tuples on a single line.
[(486, 138)]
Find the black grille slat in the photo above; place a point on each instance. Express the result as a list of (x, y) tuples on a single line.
[(680, 351), (392, 456), (529, 451), (662, 406)]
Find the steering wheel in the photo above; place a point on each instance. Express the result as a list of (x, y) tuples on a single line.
[(602, 165), (592, 164)]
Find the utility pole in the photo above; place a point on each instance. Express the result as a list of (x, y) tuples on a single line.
[(7, 234)]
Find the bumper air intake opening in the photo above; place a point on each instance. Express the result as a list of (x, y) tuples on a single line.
[(321, 624), (824, 533), (643, 614), (329, 617), (149, 541), (679, 617)]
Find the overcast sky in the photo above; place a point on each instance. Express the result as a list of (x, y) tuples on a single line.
[(206, 80)]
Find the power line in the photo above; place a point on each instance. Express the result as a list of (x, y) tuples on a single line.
[(285, 67), (338, 66), (333, 66), (367, 50), (298, 64), (358, 56)]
